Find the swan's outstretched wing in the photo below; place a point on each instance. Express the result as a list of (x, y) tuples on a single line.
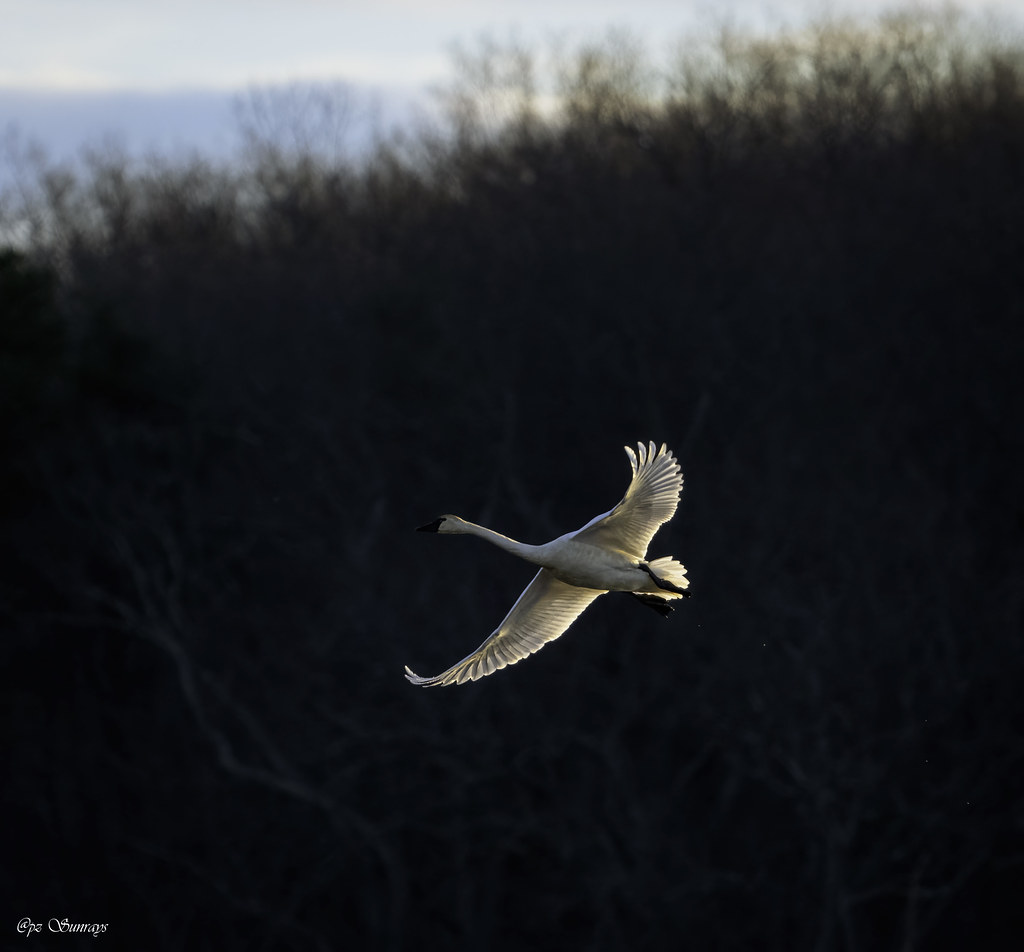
[(650, 501), (546, 608)]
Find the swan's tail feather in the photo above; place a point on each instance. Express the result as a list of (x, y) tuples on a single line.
[(673, 573)]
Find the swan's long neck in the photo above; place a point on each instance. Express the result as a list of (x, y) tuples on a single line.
[(523, 550)]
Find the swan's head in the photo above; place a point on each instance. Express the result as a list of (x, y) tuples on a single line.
[(445, 523)]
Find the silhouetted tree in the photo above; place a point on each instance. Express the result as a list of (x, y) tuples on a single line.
[(230, 393)]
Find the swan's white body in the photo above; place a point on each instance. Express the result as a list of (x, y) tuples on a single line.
[(607, 555)]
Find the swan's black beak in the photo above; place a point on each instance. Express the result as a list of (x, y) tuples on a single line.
[(431, 526)]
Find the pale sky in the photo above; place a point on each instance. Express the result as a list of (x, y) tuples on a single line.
[(164, 75)]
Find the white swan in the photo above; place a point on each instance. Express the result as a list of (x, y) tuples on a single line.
[(608, 554)]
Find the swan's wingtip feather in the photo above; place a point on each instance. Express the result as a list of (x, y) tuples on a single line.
[(413, 678)]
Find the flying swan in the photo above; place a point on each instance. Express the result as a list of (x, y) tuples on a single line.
[(609, 554)]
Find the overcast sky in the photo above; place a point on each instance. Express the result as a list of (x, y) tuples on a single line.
[(164, 75)]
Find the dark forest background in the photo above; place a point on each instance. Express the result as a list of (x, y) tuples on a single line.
[(229, 394)]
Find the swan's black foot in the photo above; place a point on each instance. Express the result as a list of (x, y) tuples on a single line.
[(663, 583), (660, 605)]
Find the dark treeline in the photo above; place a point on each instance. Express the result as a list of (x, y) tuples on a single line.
[(229, 395)]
